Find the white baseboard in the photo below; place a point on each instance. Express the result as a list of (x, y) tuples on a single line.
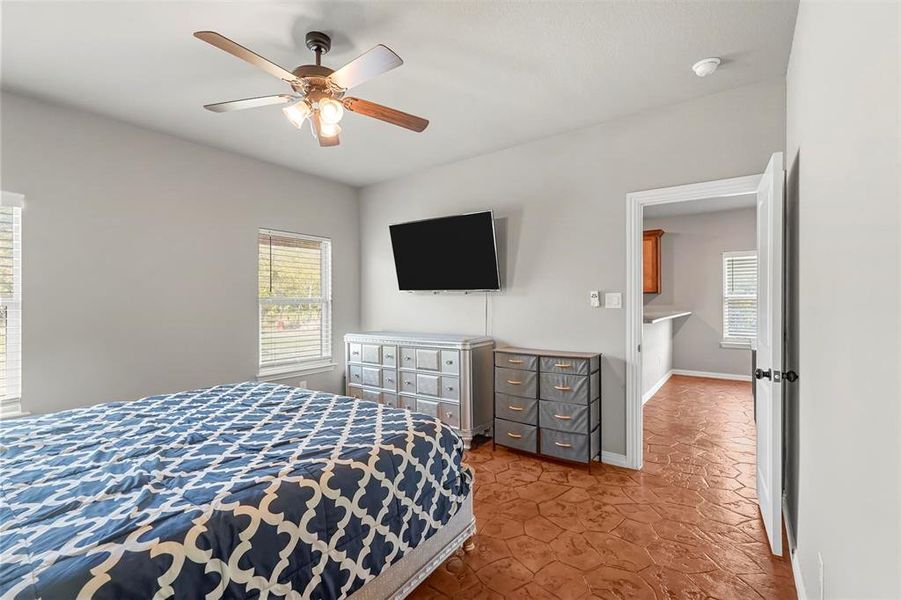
[(612, 458), (792, 553), (711, 375), (650, 393)]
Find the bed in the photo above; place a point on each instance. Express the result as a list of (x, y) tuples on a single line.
[(251, 490)]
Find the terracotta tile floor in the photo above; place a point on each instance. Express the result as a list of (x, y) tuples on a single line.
[(685, 526)]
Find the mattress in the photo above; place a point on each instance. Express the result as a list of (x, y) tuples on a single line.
[(251, 490)]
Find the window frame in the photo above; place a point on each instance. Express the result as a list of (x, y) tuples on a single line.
[(11, 403), (309, 366), (732, 341)]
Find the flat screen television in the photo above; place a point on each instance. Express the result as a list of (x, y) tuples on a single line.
[(456, 253)]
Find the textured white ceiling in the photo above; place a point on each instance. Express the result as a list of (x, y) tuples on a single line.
[(487, 74)]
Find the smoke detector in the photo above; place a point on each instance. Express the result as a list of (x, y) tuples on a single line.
[(706, 66)]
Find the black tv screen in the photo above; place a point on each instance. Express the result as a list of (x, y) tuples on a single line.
[(447, 253)]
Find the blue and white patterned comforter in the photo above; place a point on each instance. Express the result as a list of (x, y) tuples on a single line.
[(251, 490)]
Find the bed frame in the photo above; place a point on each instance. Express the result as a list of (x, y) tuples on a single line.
[(400, 579)]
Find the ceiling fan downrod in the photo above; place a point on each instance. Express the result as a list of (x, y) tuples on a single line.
[(319, 43)]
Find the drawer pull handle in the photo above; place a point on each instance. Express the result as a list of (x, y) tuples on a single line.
[(408, 382), (450, 388), (408, 358), (563, 388), (389, 356), (515, 436), (563, 365), (516, 408), (515, 361), (448, 362), (563, 444), (513, 382), (355, 353), (356, 376), (389, 380), (450, 415), (563, 417)]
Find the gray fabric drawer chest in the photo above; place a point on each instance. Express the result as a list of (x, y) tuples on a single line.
[(548, 402), (444, 375)]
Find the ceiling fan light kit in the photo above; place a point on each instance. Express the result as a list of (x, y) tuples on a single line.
[(318, 91)]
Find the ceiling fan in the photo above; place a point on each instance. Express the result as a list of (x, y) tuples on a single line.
[(318, 91)]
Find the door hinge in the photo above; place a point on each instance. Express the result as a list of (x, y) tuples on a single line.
[(639, 347)]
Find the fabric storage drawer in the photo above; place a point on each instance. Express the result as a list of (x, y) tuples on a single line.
[(372, 353), (516, 361), (372, 396), (356, 375), (450, 361), (570, 366), (389, 399), (389, 379), (389, 356), (449, 413), (516, 435), (511, 408), (569, 388), (450, 388), (571, 446), (515, 382), (408, 382), (565, 416), (427, 359), (372, 376), (427, 384), (427, 407)]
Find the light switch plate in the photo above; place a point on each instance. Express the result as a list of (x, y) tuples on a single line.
[(594, 298), (613, 300)]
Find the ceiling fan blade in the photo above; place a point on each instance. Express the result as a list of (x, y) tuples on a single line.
[(220, 107), (383, 113), (323, 141), (235, 49), (366, 66)]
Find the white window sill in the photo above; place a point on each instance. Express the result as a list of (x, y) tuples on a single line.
[(10, 408), (291, 371), (736, 344)]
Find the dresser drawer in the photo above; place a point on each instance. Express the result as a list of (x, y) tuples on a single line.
[(427, 407), (372, 353), (565, 416), (516, 435), (520, 410), (450, 388), (389, 379), (355, 392), (389, 356), (449, 413), (580, 389), (515, 382), (571, 446), (428, 359), (356, 352), (406, 402), (407, 381), (427, 384), (389, 399), (450, 361), (525, 362), (372, 396), (356, 375), (571, 366), (372, 376), (407, 358)]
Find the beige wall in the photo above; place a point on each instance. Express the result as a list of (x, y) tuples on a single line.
[(560, 202), (843, 417), (140, 259), (692, 278)]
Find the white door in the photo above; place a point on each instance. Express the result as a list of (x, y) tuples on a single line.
[(768, 376)]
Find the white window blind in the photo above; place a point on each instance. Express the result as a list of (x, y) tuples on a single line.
[(10, 308), (739, 296), (295, 290)]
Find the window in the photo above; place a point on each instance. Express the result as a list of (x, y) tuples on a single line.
[(739, 298), (10, 303), (295, 291)]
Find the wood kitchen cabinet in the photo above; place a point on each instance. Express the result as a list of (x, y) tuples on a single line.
[(651, 261)]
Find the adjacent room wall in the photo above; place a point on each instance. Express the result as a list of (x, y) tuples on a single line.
[(560, 205), (843, 418), (692, 278), (140, 256)]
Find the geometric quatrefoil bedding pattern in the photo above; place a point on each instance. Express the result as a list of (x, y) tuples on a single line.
[(250, 490)]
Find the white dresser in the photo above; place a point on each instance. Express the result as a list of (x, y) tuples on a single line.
[(445, 375)]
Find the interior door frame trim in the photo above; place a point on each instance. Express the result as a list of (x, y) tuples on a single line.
[(635, 204)]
